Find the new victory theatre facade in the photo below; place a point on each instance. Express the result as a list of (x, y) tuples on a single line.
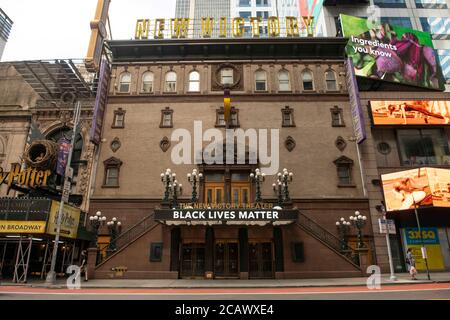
[(220, 219)]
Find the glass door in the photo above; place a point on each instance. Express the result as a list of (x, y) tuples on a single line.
[(260, 260), (226, 259), (192, 260)]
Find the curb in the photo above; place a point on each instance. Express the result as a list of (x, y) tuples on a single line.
[(231, 287)]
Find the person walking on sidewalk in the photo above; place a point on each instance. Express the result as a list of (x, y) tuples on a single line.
[(83, 267), (411, 262)]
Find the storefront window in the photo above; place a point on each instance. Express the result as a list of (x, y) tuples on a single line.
[(423, 146)]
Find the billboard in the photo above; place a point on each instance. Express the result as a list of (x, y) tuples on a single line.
[(430, 239), (422, 186), (391, 53), (69, 221), (417, 112)]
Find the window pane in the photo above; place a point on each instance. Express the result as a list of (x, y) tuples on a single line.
[(167, 119), (194, 86), (419, 147), (240, 176), (112, 175), (119, 120), (227, 76), (307, 80), (214, 177), (260, 85), (171, 76), (331, 81), (344, 174), (260, 75)]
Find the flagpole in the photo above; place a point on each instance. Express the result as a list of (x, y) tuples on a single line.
[(51, 276)]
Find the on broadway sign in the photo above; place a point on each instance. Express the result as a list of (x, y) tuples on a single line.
[(225, 215)]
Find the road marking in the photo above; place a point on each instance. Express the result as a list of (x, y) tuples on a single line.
[(76, 292)]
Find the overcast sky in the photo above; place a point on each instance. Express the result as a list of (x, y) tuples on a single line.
[(49, 29)]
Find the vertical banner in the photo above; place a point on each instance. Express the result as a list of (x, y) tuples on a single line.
[(63, 155), (355, 103), (100, 102)]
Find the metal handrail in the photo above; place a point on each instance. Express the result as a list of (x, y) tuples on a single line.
[(128, 236), (328, 238)]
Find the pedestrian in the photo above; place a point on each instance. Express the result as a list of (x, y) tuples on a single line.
[(83, 267), (411, 262)]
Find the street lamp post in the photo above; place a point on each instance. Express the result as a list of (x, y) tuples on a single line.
[(343, 227), (194, 179), (175, 189), (51, 275), (281, 186), (388, 243), (96, 221), (359, 221), (167, 179), (259, 178), (114, 228), (278, 189)]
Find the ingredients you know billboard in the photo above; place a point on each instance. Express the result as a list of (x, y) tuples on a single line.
[(391, 53)]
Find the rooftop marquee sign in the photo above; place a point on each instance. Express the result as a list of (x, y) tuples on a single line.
[(207, 27)]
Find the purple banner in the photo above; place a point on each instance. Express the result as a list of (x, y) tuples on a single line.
[(100, 103), (355, 104), (63, 155)]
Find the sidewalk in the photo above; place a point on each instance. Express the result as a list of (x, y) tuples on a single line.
[(403, 278)]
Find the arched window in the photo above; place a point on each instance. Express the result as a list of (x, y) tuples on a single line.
[(308, 81), (125, 82), (147, 82), (171, 82), (260, 80), (194, 81), (284, 81), (330, 79)]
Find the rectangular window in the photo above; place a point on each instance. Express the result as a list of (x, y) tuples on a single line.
[(390, 3), (444, 59), (438, 27), (227, 76), (245, 3), (423, 147), (156, 252), (262, 3), (245, 14), (112, 176), (167, 120), (287, 120), (262, 14), (119, 120), (344, 175), (431, 4), (404, 22), (285, 85)]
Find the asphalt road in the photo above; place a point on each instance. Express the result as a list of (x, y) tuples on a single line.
[(402, 292)]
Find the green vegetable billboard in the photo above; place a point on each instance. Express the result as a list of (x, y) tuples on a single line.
[(391, 53)]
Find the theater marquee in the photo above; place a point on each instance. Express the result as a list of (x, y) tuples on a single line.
[(197, 215)]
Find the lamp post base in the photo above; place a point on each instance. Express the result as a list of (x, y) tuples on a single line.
[(50, 280), (393, 278)]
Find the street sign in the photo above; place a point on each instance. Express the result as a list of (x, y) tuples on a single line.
[(387, 226), (66, 191)]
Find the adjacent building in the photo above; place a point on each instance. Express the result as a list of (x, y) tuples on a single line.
[(5, 29), (425, 15)]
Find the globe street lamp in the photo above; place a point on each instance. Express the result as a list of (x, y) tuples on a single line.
[(96, 221), (359, 221), (284, 178), (343, 228), (278, 189), (175, 189), (194, 179), (259, 178), (167, 179), (114, 228)]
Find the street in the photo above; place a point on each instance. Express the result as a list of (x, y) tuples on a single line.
[(427, 291)]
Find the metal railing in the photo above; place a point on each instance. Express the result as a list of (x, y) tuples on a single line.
[(327, 238), (126, 237)]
